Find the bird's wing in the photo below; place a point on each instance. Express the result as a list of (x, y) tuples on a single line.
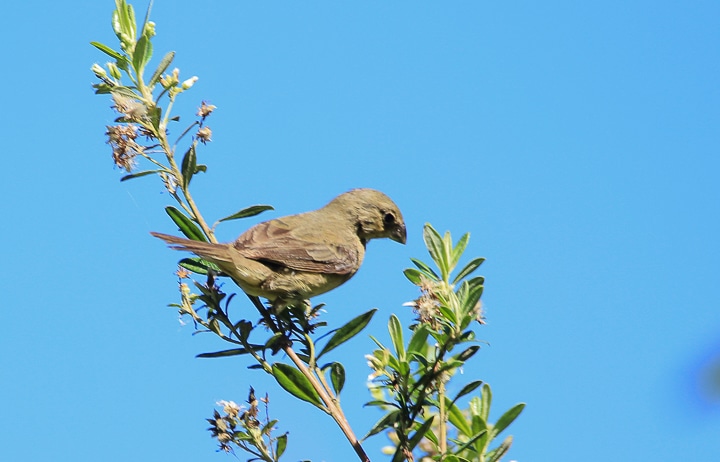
[(278, 242)]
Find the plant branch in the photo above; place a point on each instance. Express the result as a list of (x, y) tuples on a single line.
[(331, 404)]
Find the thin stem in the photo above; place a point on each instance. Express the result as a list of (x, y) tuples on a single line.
[(323, 381), (443, 417), (186, 193), (330, 404)]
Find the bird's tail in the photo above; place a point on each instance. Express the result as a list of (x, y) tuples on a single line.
[(208, 250)]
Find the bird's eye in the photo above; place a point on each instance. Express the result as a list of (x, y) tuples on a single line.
[(389, 218)]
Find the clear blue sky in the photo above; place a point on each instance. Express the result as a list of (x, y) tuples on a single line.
[(578, 142)]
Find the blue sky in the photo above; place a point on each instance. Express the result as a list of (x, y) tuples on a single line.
[(577, 142)]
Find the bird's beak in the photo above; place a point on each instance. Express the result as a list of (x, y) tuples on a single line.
[(399, 234)]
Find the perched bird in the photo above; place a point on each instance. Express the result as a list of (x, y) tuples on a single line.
[(293, 258)]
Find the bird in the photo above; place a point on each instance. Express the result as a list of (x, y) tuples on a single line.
[(291, 259)]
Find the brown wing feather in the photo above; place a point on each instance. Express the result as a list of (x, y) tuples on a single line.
[(276, 242)]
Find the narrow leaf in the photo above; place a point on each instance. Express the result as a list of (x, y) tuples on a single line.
[(457, 418), (469, 268), (425, 268), (108, 51), (485, 401), (387, 421), (418, 340), (125, 91), (447, 251), (448, 314), (139, 174), (467, 389), (471, 441), (337, 377), (281, 445), (186, 226), (496, 454), (223, 353), (199, 265), (434, 244), (396, 335), (295, 383), (506, 419), (142, 54), (162, 67), (467, 353), (458, 250), (248, 212), (189, 163), (348, 331), (413, 275), (418, 436)]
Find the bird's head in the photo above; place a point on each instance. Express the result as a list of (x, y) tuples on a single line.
[(375, 214)]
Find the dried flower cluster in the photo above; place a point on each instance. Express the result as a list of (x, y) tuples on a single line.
[(240, 426), (124, 148)]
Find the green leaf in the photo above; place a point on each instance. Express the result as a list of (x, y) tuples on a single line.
[(418, 340), (477, 422), (147, 17), (425, 269), (418, 436), (435, 246), (396, 335), (475, 284), (496, 454), (162, 67), (447, 251), (189, 163), (186, 226), (223, 353), (295, 383), (458, 250), (413, 275), (458, 418), (248, 212), (117, 19), (485, 401), (448, 314), (387, 421), (467, 389), (128, 18), (268, 427), (139, 174), (419, 358), (469, 443), (272, 342), (125, 92), (124, 21), (348, 331), (469, 268), (108, 51), (467, 353), (506, 419), (337, 377), (281, 445), (199, 265), (380, 403), (143, 53)]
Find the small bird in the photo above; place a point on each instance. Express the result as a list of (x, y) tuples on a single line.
[(294, 258)]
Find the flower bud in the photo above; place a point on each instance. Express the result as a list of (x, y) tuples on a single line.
[(98, 71), (189, 83), (114, 71), (149, 30)]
